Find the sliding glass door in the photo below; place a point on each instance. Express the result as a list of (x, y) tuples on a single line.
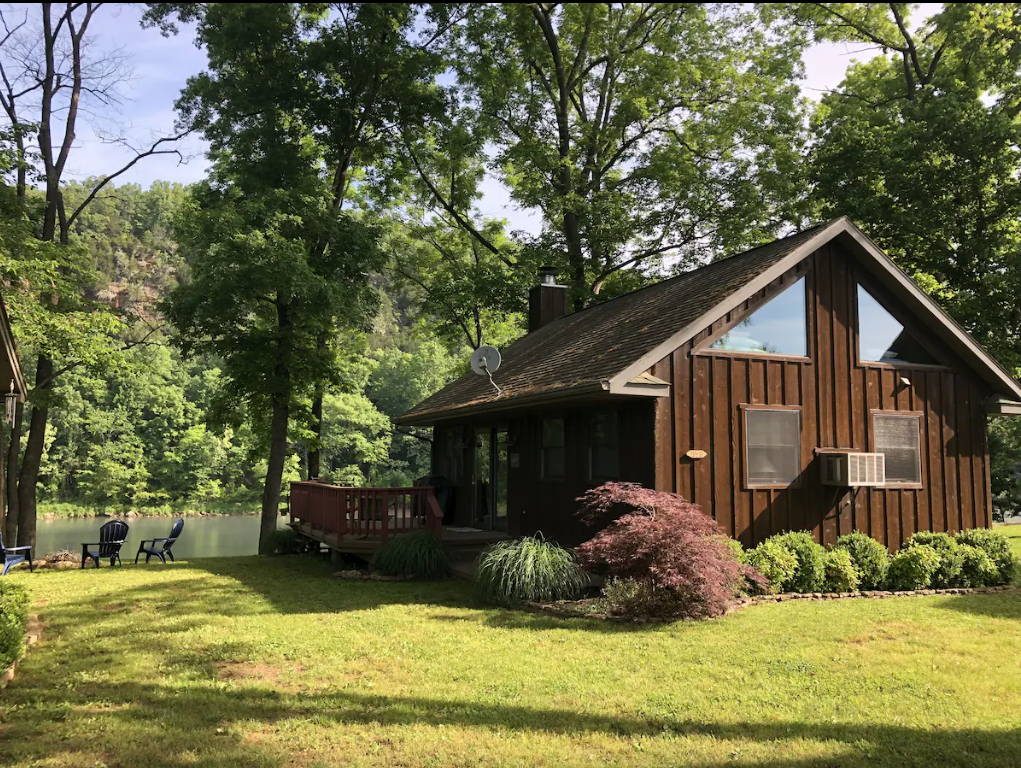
[(492, 461)]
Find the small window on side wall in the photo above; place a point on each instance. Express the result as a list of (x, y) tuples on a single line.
[(772, 447), (551, 450), (603, 450), (899, 437)]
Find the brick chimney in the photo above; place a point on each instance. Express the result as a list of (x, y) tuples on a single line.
[(547, 301)]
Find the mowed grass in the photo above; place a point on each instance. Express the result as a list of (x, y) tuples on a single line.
[(271, 662)]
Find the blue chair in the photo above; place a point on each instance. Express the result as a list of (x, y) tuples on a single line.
[(112, 536), (162, 552), (12, 556)]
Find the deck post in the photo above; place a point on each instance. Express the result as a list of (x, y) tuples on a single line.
[(386, 514)]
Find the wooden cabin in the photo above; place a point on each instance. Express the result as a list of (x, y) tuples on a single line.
[(807, 384)]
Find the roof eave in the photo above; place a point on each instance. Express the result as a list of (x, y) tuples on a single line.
[(902, 285), (429, 418)]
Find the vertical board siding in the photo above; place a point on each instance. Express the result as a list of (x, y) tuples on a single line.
[(837, 395)]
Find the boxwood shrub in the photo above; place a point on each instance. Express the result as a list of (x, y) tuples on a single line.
[(948, 573), (998, 547), (913, 568), (870, 558), (13, 619), (810, 571), (977, 568), (841, 575), (774, 561)]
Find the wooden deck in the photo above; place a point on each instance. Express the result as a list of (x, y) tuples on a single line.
[(461, 543), (358, 521)]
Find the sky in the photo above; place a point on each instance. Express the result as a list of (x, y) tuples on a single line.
[(161, 67)]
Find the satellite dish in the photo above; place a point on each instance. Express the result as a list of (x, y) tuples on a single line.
[(486, 361)]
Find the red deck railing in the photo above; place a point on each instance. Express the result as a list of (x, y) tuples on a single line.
[(365, 512)]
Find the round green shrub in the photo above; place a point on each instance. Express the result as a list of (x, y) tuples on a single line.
[(841, 575), (913, 568), (948, 574), (774, 561), (998, 547), (870, 558), (810, 571), (977, 568), (529, 569), (13, 620), (419, 554)]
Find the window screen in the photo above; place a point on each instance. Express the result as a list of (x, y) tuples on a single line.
[(603, 452), (552, 449), (899, 438), (773, 447)]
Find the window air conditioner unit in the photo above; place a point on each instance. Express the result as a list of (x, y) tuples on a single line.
[(853, 469)]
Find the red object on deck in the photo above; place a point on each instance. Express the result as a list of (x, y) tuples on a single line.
[(365, 512)]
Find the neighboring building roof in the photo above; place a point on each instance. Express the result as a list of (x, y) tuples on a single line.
[(10, 366), (608, 347)]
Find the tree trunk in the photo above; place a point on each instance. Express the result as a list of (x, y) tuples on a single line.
[(317, 426), (32, 459), (275, 471), (11, 488)]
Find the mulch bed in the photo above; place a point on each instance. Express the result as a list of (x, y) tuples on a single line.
[(590, 608)]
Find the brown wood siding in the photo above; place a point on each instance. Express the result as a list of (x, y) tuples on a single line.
[(836, 394)]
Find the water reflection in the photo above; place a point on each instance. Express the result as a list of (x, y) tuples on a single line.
[(222, 536)]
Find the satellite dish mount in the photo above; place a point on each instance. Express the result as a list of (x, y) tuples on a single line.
[(485, 362)]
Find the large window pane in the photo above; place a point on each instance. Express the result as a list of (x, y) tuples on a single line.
[(899, 438), (772, 447), (882, 339), (604, 453), (776, 328), (552, 449)]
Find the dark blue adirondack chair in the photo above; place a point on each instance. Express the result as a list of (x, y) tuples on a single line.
[(112, 536), (13, 556), (163, 551)]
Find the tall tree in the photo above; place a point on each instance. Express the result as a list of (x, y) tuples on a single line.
[(641, 131), (922, 146), (369, 67), (278, 268), (51, 71)]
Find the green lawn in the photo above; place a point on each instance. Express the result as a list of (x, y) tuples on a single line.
[(248, 662)]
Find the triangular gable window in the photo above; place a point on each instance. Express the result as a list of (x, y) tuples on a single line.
[(882, 339), (776, 328)]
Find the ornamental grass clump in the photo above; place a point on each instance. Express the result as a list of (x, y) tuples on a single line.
[(870, 558), (674, 553), (418, 555), (810, 571), (529, 569), (997, 546)]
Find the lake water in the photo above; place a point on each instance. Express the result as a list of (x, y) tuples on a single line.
[(211, 536)]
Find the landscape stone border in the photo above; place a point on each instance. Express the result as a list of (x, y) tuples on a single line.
[(33, 631), (564, 610)]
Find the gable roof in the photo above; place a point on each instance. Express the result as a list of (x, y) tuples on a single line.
[(609, 347)]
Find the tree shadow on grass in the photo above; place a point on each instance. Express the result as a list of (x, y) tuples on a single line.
[(998, 605), (220, 724)]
